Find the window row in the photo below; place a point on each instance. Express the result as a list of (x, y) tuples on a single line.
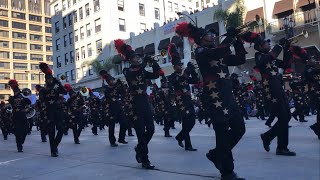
[(78, 74), (19, 66), (18, 25), (65, 41), (19, 35), (24, 56)]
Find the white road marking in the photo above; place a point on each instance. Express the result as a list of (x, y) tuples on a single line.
[(7, 162)]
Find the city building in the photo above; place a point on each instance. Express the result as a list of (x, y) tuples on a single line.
[(272, 14), (25, 40), (83, 29)]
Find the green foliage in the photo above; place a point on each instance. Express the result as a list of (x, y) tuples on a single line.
[(97, 66), (233, 19)]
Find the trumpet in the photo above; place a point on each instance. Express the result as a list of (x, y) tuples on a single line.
[(294, 39), (62, 77), (84, 92), (163, 54)]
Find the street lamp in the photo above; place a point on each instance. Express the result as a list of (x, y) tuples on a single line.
[(183, 14)]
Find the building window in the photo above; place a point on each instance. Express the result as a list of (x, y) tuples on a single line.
[(87, 10), (122, 25), (3, 12), (76, 37), (4, 44), (4, 33), (64, 25), (143, 26), (21, 56), (48, 39), (20, 76), (49, 48), (90, 71), (77, 55), (70, 19), (81, 13), (176, 7), (74, 1), (36, 57), (36, 47), (20, 46), (4, 96), (20, 66), (84, 71), (4, 75), (66, 60), (71, 57), (88, 29), (4, 87), (65, 41), (73, 75), (4, 65), (71, 38), (35, 18), (69, 3), (49, 58), (35, 77), (120, 5), (34, 67), (89, 47), (58, 62), (141, 10), (18, 25), (78, 73), (19, 15), (197, 4), (97, 24), (57, 27), (5, 55), (75, 16), (99, 46), (57, 44), (170, 6), (34, 37), (47, 20), (4, 23), (35, 28), (184, 8), (157, 13), (83, 52), (82, 33), (96, 4), (48, 30)]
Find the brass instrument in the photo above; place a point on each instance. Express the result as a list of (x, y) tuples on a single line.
[(294, 39), (8, 108), (62, 77), (163, 54), (84, 91), (26, 93)]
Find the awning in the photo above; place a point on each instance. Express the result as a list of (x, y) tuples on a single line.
[(214, 26), (251, 15), (304, 3), (177, 41), (282, 6), (164, 44), (149, 49), (139, 50)]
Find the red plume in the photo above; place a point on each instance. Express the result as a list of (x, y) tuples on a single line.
[(253, 78), (90, 90), (182, 29), (13, 83), (45, 68), (38, 87), (121, 47), (161, 72), (299, 53), (288, 70), (68, 87), (104, 74)]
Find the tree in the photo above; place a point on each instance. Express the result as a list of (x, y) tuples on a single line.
[(232, 19), (97, 66)]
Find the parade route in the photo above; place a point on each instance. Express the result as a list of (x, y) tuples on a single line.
[(94, 159)]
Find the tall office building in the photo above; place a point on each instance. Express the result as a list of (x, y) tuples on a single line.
[(25, 40)]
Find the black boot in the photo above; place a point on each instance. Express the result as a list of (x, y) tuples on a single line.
[(315, 130), (147, 165), (167, 134), (180, 143), (138, 157), (20, 148), (122, 141), (213, 158), (232, 176), (266, 143), (285, 152)]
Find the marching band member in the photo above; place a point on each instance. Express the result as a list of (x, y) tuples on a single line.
[(94, 104), (4, 121), (52, 92), (299, 99), (42, 117), (20, 106), (225, 115), (113, 109), (180, 81), (137, 77)]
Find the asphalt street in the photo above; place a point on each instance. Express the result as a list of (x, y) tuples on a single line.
[(94, 159)]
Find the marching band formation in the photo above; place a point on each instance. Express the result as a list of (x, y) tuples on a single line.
[(222, 101)]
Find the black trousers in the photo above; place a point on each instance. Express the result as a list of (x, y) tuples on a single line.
[(119, 116), (95, 121), (299, 111), (228, 134), (21, 128), (4, 132), (271, 118), (143, 125), (130, 125), (55, 124), (260, 113), (188, 121), (167, 123), (317, 124)]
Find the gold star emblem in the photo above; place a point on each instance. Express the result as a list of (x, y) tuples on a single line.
[(135, 118), (218, 104), (187, 112), (213, 63), (267, 89), (222, 74), (55, 86), (182, 108), (269, 96), (274, 100), (269, 65), (180, 103), (139, 91), (273, 73), (214, 95), (265, 82), (134, 82), (211, 85), (178, 97), (51, 101), (226, 111)]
